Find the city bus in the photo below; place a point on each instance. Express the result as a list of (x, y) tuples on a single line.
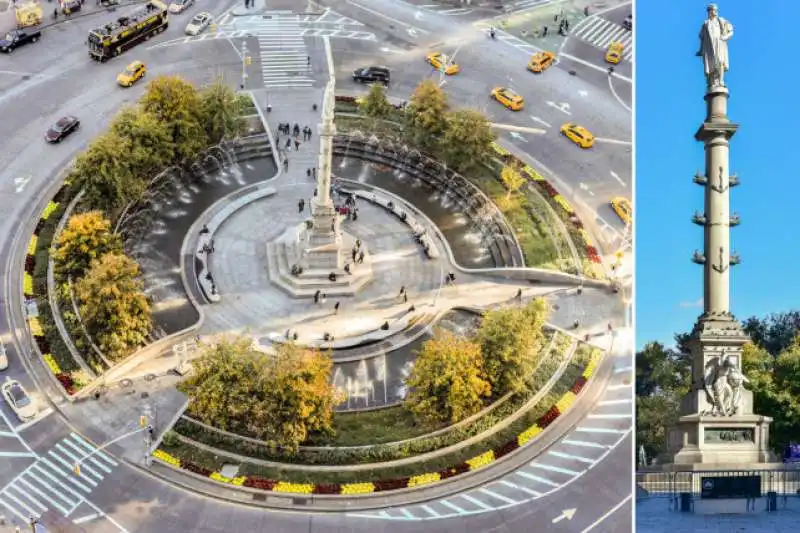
[(126, 32)]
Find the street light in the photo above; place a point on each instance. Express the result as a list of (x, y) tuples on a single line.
[(246, 60)]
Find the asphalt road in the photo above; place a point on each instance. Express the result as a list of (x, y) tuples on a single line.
[(42, 82)]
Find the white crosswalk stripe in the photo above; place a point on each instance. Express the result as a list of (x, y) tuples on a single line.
[(284, 56), (600, 33), (446, 10), (51, 483)]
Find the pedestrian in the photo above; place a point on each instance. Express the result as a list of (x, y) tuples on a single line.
[(566, 25), (314, 172), (358, 243), (405, 297), (278, 139), (580, 290), (347, 268), (301, 205), (296, 130), (316, 296), (452, 276), (519, 294), (354, 253), (296, 145), (285, 163), (288, 144), (309, 133), (610, 329), (308, 60), (336, 308), (324, 297), (308, 172), (361, 256), (544, 31), (576, 324), (315, 192), (355, 214), (212, 246), (586, 11), (402, 289)]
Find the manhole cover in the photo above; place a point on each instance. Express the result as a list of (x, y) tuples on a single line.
[(259, 497), (299, 501), (26, 77)]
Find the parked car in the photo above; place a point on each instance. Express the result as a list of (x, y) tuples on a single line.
[(62, 129), (372, 75), (16, 38), (198, 23), (3, 357), (179, 6), (18, 399)]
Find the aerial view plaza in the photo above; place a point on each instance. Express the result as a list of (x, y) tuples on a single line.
[(334, 265)]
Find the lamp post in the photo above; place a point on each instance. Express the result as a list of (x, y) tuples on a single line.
[(246, 60)]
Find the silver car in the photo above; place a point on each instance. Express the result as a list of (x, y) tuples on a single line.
[(198, 23), (18, 399)]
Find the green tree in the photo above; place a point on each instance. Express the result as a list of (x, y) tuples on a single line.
[(447, 383), (467, 139), (426, 115), (85, 237), (151, 148), (511, 340), (108, 179), (220, 112), (375, 104), (512, 179), (176, 104), (113, 307), (280, 398)]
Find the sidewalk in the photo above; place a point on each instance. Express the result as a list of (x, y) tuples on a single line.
[(653, 516)]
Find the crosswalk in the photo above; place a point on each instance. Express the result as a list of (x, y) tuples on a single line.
[(447, 10), (604, 428), (50, 484), (600, 32), (284, 56)]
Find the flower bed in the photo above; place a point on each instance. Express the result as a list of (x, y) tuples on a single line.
[(476, 462)]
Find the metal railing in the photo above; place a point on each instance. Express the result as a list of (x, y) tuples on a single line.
[(785, 481)]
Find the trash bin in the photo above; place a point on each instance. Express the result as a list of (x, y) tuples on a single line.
[(686, 502), (772, 501)]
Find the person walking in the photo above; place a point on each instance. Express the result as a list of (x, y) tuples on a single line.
[(316, 296), (285, 163), (336, 309), (402, 289), (308, 172), (405, 297), (361, 256), (296, 145), (354, 253), (314, 172), (309, 132), (301, 205), (296, 130), (288, 144)]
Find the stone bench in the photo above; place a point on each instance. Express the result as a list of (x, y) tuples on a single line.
[(419, 231)]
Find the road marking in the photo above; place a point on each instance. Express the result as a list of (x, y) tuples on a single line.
[(612, 402), (617, 387), (500, 497), (77, 438), (540, 121), (430, 511), (87, 518), (520, 487), (69, 468), (587, 429), (623, 369), (614, 92), (387, 17), (476, 501), (595, 67), (611, 416), (21, 182), (55, 504), (612, 141), (68, 477), (8, 434), (537, 478), (524, 129), (407, 513), (16, 454), (454, 507), (616, 177), (609, 513), (40, 416), (566, 513), (82, 455), (583, 92), (574, 457), (561, 106), (13, 498), (584, 443), (84, 467), (558, 469)]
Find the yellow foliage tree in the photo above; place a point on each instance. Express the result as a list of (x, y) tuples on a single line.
[(86, 237), (512, 179)]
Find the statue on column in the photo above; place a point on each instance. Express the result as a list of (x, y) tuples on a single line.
[(714, 35)]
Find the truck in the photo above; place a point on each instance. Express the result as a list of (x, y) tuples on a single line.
[(111, 39), (16, 38), (28, 14)]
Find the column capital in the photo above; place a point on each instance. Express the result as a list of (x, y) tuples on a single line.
[(710, 130)]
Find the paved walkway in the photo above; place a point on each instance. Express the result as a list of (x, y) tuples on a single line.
[(653, 516)]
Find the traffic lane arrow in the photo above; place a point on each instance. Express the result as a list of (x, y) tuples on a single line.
[(561, 106), (565, 514)]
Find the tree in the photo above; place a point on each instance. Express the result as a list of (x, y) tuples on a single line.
[(467, 139), (108, 179), (150, 149), (511, 340), (113, 307), (375, 104), (512, 179), (447, 383), (220, 112), (426, 115), (176, 103), (85, 237), (280, 398), (776, 332)]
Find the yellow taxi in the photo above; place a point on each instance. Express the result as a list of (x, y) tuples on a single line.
[(508, 98), (622, 207), (132, 73), (541, 61), (614, 53), (578, 134), (440, 61)]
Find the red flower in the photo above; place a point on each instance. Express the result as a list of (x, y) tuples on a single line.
[(548, 418), (259, 483), (454, 470), (507, 448), (578, 387), (327, 488), (44, 346), (390, 484), (30, 262), (197, 469), (39, 226), (345, 99)]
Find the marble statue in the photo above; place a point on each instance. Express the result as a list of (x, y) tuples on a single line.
[(714, 35), (723, 383)]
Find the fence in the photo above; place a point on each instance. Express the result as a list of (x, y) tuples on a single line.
[(670, 484)]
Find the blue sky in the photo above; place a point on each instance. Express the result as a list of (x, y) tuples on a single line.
[(762, 80)]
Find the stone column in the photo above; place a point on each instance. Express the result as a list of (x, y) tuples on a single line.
[(324, 228)]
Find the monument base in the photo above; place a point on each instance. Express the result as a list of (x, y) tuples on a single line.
[(324, 267), (702, 442)]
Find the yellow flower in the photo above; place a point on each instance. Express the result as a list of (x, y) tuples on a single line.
[(36, 327), (566, 402), (499, 149), (167, 458), (52, 364), (479, 461), (52, 206), (585, 236), (424, 479), (27, 283), (532, 173), (593, 362), (358, 488), (32, 245), (298, 488), (528, 434), (238, 481), (564, 204)]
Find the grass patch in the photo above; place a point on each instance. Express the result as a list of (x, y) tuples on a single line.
[(567, 380), (375, 427)]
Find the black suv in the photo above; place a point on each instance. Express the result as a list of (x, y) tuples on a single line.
[(372, 75), (628, 22), (16, 38)]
